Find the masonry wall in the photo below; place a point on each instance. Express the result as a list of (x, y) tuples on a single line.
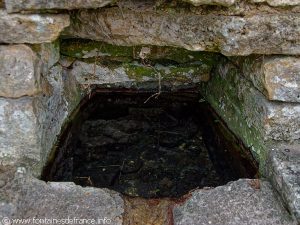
[(243, 56)]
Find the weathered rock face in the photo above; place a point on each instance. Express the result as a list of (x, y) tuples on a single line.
[(31, 5), (239, 198), (26, 197), (231, 35), (16, 28), (19, 71), (211, 2)]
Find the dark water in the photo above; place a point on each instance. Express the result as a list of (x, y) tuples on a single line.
[(163, 148)]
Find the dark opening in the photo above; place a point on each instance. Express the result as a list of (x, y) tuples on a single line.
[(162, 148)]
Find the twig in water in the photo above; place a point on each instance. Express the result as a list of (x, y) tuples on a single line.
[(155, 95)]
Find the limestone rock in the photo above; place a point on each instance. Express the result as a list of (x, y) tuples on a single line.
[(16, 28), (31, 5), (237, 203), (231, 35), (275, 76), (90, 74), (19, 71), (279, 2), (19, 132), (36, 199), (282, 81), (284, 170), (211, 2)]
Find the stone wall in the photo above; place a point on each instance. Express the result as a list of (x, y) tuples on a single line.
[(242, 55)]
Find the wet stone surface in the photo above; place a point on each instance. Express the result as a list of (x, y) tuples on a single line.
[(153, 149)]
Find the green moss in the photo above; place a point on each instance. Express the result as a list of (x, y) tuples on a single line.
[(182, 73), (229, 94), (80, 48)]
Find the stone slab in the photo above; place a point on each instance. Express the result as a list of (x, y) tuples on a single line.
[(230, 35), (34, 28), (25, 197), (32, 5), (284, 172), (19, 71), (243, 202), (88, 74)]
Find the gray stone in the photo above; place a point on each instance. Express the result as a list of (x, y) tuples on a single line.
[(19, 132), (282, 80), (91, 74), (19, 71), (284, 172), (237, 203), (36, 199), (231, 35), (87, 74), (275, 76), (16, 28), (211, 2), (32, 5), (29, 125), (279, 2)]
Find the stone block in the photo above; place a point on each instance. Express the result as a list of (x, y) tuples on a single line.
[(278, 77), (33, 5), (19, 71), (93, 74), (33, 28), (240, 202), (228, 34), (20, 133)]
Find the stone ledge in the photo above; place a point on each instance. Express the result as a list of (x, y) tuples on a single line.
[(32, 5), (33, 29), (231, 35)]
